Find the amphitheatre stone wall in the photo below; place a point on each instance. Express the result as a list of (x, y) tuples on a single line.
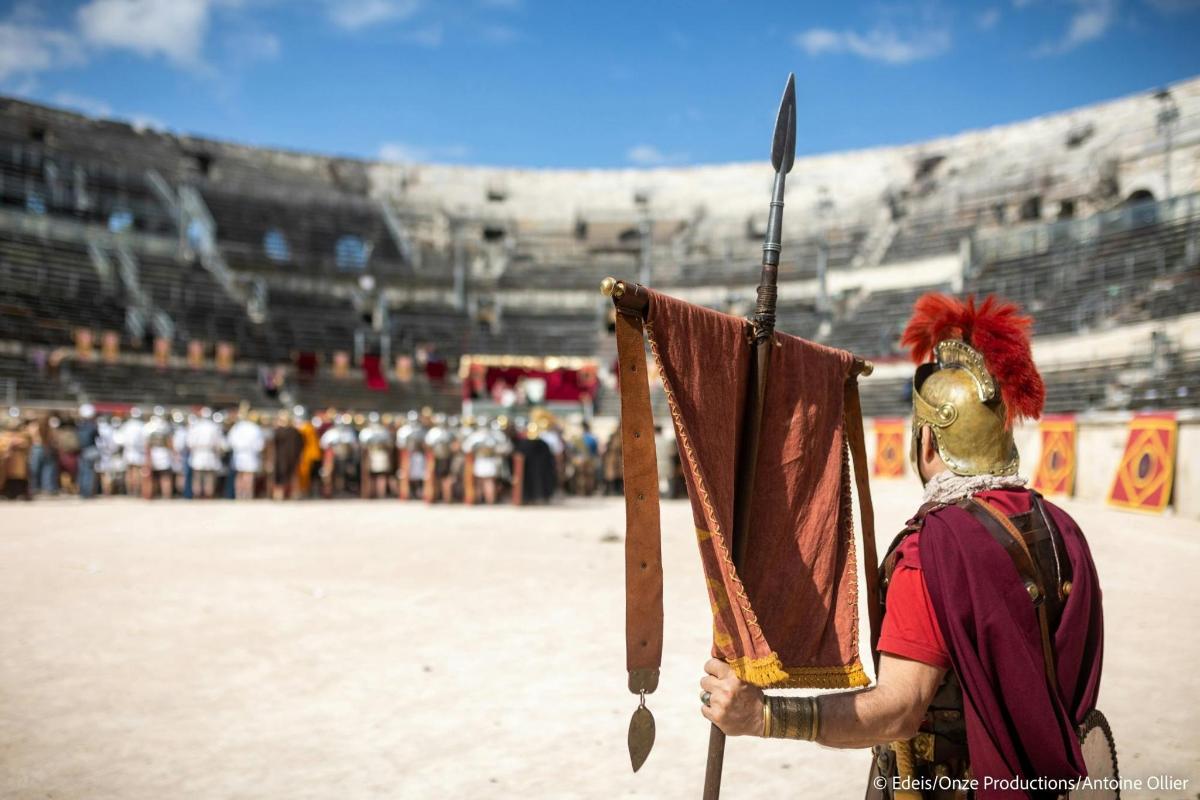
[(1093, 156)]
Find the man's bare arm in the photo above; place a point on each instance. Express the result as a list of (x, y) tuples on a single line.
[(892, 709)]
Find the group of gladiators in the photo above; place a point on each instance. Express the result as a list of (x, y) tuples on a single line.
[(243, 453)]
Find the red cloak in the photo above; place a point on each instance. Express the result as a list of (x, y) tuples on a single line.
[(1015, 725)]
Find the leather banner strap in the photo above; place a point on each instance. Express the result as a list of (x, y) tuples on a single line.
[(643, 540), (852, 411)]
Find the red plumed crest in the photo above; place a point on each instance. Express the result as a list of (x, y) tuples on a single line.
[(997, 330)]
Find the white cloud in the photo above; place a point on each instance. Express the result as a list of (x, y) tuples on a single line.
[(405, 153), (647, 155), (1091, 20), (987, 19), (26, 50), (174, 29), (882, 43), (249, 45), (816, 41), (353, 15), (88, 105)]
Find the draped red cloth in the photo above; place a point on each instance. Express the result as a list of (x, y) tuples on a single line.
[(787, 616), (1015, 725), (563, 384), (373, 373)]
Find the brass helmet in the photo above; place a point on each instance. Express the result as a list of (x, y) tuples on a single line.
[(982, 380), (957, 398)]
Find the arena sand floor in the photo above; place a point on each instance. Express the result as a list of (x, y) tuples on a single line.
[(353, 649)]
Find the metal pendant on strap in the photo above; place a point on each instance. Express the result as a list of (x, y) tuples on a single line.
[(641, 729)]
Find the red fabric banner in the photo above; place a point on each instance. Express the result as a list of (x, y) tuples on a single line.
[(889, 447), (563, 384), (341, 363), (224, 356), (404, 369), (1147, 469), (1056, 468), (110, 346), (195, 354), (788, 616), (373, 373)]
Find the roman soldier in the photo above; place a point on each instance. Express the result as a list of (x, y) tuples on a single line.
[(990, 646), (488, 447), (410, 445), (376, 442), (441, 443), (339, 467)]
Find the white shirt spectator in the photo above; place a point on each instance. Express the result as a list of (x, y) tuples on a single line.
[(132, 438), (205, 441), (247, 441)]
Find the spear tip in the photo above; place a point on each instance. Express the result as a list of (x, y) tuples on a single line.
[(783, 146)]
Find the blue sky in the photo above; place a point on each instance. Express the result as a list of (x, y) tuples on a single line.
[(560, 83)]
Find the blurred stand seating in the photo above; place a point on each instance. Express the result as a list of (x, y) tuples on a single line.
[(292, 258)]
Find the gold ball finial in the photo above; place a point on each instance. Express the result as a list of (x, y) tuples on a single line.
[(608, 285)]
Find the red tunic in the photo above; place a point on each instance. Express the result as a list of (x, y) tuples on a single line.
[(910, 627)]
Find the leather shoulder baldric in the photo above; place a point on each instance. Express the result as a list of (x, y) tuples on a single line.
[(1030, 539), (1035, 547)]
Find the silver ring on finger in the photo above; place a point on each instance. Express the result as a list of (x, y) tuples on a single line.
[(706, 698)]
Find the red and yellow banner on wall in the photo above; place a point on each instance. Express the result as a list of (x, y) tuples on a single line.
[(195, 353), (1056, 468), (162, 351), (110, 346), (889, 447), (1147, 468), (224, 357), (341, 363), (404, 369)]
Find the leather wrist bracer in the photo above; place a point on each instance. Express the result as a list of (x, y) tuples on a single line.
[(791, 718)]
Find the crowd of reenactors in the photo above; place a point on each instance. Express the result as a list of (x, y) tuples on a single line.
[(245, 453)]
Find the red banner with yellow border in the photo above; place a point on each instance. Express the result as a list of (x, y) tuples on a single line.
[(889, 447), (1056, 468), (1147, 468)]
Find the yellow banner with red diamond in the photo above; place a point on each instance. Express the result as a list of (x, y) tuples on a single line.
[(1056, 469), (889, 447), (1144, 477)]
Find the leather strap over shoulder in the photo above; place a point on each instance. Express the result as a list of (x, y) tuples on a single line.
[(643, 540)]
